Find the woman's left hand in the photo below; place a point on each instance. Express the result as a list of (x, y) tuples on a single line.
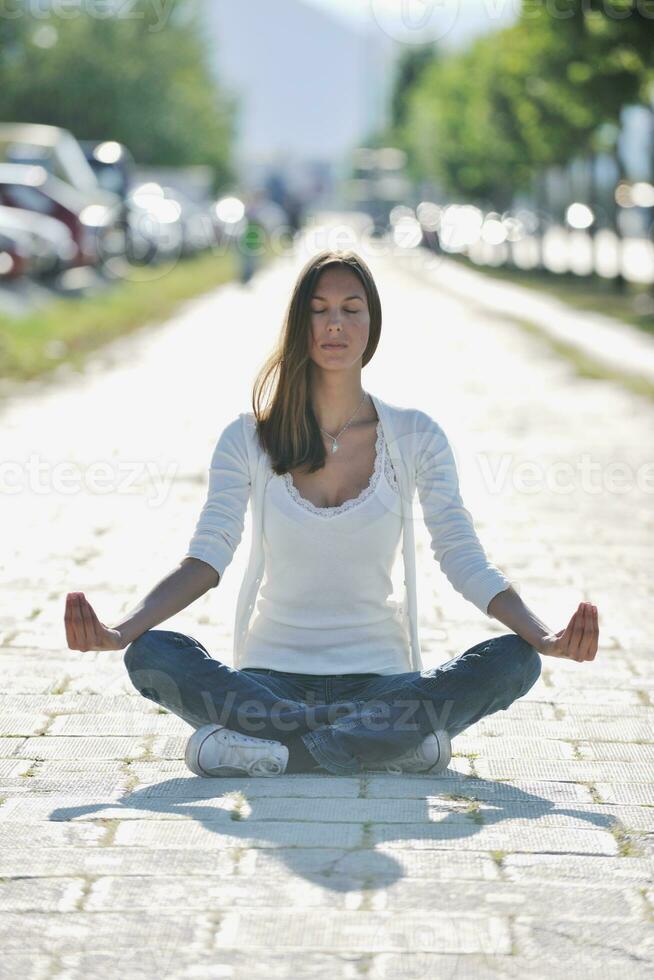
[(579, 640)]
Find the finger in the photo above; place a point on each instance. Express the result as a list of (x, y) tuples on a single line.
[(594, 634), (586, 642), (68, 621), (576, 633), (570, 638), (99, 629), (84, 622), (567, 633), (592, 639), (90, 620), (97, 626), (75, 634)]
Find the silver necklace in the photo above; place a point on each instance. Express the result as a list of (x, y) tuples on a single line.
[(334, 438)]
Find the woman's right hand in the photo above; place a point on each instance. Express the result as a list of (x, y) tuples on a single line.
[(84, 631)]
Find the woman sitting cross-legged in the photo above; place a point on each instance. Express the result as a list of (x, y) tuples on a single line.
[(328, 675)]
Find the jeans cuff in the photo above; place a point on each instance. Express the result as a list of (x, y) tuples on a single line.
[(348, 766)]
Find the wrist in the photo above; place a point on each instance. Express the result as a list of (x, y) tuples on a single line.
[(123, 638), (543, 644)]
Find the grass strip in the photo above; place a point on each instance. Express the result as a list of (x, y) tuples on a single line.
[(67, 329)]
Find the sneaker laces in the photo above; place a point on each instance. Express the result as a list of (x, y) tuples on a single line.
[(264, 767)]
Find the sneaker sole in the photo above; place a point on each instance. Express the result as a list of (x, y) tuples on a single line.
[(193, 746), (445, 746)]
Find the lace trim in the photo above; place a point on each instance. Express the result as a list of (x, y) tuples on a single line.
[(354, 501), (389, 472)]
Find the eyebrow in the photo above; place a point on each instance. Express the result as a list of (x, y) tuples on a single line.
[(354, 296)]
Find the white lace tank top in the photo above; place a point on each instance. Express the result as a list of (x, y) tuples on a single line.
[(325, 605)]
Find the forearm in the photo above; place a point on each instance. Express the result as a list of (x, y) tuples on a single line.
[(173, 593), (508, 607)]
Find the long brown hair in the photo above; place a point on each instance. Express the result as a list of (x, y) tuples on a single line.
[(287, 427)]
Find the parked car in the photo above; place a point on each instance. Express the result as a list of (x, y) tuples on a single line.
[(92, 219), (15, 260), (198, 226), (112, 163), (51, 147), (155, 228), (50, 242)]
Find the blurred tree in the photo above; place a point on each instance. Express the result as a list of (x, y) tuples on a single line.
[(408, 71), (484, 121), (121, 77), (457, 135)]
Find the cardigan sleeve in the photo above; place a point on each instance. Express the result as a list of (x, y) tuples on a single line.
[(219, 528), (454, 540)]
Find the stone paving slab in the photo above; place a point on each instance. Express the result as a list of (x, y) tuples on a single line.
[(125, 893), (601, 815), (79, 771), (34, 683), (91, 747), (72, 702), (11, 768), (377, 931), (9, 746), (621, 751), (32, 859), (27, 966), (480, 789), (88, 788), (23, 724), (373, 865), (586, 869), (620, 938), (576, 770), (315, 809), (637, 712), (606, 730), (183, 964), (117, 724), (595, 703), (216, 835), (513, 747), (512, 835), (626, 793), (50, 932), (188, 787), (420, 966), (18, 835), (41, 895)]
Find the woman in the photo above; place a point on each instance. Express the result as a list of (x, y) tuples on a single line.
[(328, 676)]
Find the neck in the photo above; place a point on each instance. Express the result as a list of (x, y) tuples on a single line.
[(335, 401)]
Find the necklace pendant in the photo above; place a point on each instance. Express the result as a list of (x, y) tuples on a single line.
[(334, 447)]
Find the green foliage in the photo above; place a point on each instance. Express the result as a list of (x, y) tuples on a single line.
[(543, 91), (125, 78), (410, 67)]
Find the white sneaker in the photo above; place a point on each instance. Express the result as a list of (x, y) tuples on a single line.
[(432, 755), (214, 750)]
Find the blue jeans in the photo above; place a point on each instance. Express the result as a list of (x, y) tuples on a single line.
[(346, 721)]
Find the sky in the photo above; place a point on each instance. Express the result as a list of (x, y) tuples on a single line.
[(451, 22)]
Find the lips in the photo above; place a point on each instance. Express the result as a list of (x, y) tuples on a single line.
[(333, 346)]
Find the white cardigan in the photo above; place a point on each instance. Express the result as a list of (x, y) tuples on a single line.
[(423, 460)]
